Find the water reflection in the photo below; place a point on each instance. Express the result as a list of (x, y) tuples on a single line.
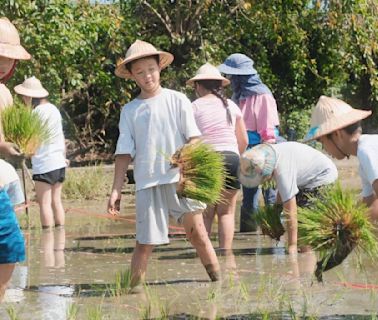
[(53, 244)]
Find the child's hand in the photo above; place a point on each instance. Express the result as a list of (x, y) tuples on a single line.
[(9, 149), (114, 203)]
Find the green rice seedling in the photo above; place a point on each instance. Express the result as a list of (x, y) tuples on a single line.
[(269, 219), (95, 313), (12, 314), (24, 128), (72, 311), (203, 172), (334, 225), (122, 282)]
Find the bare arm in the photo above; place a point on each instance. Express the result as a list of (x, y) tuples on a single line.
[(372, 202), (290, 209), (241, 135), (193, 140), (121, 164)]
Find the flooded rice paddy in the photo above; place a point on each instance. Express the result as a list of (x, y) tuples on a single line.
[(71, 274)]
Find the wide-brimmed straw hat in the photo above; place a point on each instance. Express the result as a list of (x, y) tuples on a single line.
[(10, 45), (256, 164), (208, 72), (238, 64), (141, 49), (31, 87), (331, 114)]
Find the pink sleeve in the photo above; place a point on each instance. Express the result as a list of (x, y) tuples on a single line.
[(267, 118)]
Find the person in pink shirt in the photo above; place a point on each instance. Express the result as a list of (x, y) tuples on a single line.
[(221, 124), (260, 115)]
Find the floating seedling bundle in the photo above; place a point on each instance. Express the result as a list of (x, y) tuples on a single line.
[(269, 220), (202, 172), (24, 128), (334, 225)]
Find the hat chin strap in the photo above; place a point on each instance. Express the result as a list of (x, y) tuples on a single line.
[(338, 148)]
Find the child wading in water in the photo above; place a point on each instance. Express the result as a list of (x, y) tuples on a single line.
[(221, 124), (49, 162), (337, 126), (153, 126), (12, 246)]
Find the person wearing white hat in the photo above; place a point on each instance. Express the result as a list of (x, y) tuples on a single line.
[(49, 161), (299, 171), (259, 109), (12, 246), (221, 124), (337, 126), (153, 127)]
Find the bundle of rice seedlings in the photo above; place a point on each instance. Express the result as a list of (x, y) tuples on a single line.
[(203, 172), (333, 226), (269, 220), (24, 128)]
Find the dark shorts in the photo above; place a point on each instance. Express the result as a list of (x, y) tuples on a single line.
[(305, 196), (51, 177), (231, 160)]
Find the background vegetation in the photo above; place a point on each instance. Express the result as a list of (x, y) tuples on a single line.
[(301, 48)]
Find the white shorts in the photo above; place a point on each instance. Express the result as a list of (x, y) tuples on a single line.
[(154, 206)]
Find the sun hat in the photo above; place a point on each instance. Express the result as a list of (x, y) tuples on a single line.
[(208, 72), (31, 87), (10, 45), (141, 49), (237, 64), (256, 164), (331, 114)]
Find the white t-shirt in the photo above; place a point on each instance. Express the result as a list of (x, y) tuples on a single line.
[(300, 166), (151, 130), (367, 154), (211, 119), (50, 156)]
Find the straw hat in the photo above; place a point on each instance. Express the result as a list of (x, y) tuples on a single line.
[(31, 87), (208, 72), (10, 46), (6, 99), (237, 64), (141, 49), (256, 164), (331, 114)]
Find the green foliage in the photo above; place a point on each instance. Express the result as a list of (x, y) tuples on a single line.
[(334, 225), (301, 49), (24, 128), (203, 172), (269, 219)]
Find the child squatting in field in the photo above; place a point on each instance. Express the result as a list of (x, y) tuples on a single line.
[(153, 126)]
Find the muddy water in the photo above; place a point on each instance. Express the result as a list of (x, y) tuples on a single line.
[(70, 272)]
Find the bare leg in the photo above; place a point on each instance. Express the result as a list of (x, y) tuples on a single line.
[(59, 245), (208, 217), (139, 263), (43, 192), (6, 271), (197, 235), (226, 218), (57, 205)]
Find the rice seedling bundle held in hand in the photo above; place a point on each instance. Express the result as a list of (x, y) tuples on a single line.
[(333, 226), (202, 172), (269, 220), (24, 128)]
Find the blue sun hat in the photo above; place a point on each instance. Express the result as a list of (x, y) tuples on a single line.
[(256, 165), (237, 64)]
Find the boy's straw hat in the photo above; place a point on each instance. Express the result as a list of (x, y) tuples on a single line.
[(31, 87), (141, 49), (10, 46), (256, 164), (237, 64), (208, 72), (331, 114)]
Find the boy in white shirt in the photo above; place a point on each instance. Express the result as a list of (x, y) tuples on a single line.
[(152, 127), (299, 172), (337, 126)]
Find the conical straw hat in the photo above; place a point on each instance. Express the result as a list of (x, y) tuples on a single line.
[(10, 46), (31, 87), (141, 49), (331, 114), (6, 99), (208, 72)]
